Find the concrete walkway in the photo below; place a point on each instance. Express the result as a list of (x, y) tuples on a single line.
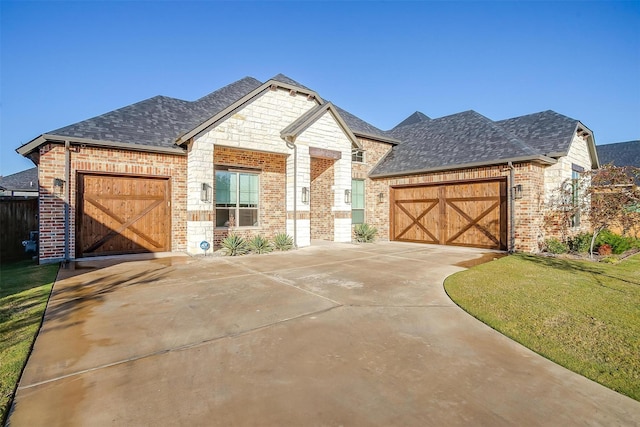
[(335, 334)]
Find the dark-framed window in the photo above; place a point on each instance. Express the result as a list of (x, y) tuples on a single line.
[(576, 172), (357, 201), (357, 156), (237, 198)]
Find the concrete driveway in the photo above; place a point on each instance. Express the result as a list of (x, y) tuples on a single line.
[(332, 335)]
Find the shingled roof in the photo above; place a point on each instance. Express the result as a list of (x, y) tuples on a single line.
[(620, 153), (158, 122), (460, 140), (416, 117), (548, 132), (26, 180)]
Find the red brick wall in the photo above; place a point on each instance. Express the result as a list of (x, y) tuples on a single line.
[(528, 210), (321, 199), (272, 190), (93, 159), (376, 212)]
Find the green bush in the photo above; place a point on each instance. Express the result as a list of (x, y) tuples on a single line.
[(365, 233), (555, 246), (283, 242), (580, 243), (619, 244), (234, 245), (260, 245)]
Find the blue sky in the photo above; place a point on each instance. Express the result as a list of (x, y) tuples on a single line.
[(63, 62)]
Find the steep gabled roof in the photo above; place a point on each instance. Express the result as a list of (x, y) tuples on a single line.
[(620, 153), (26, 180), (291, 132), (416, 117), (548, 132), (364, 129), (460, 140), (150, 124)]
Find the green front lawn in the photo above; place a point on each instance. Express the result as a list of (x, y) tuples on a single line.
[(582, 315), (24, 290)]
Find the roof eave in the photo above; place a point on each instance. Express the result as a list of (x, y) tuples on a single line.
[(222, 115), (388, 140), (539, 158), (306, 120), (31, 146)]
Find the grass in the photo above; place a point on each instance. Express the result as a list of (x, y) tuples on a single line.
[(24, 290), (582, 315)]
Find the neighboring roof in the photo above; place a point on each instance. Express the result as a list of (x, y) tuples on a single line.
[(416, 117), (620, 153), (26, 180), (460, 140), (548, 132)]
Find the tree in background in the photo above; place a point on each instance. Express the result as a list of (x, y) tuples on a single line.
[(614, 199)]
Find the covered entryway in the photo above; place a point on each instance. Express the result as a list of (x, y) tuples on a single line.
[(462, 214), (122, 214)]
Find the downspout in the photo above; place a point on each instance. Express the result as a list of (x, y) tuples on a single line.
[(290, 140), (67, 197), (512, 208)]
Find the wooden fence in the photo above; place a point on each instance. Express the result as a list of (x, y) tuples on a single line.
[(18, 217)]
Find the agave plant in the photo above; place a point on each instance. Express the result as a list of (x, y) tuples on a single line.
[(234, 245), (365, 233), (260, 245), (283, 242)]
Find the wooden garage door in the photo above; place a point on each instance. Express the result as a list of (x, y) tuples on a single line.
[(122, 215), (463, 214)]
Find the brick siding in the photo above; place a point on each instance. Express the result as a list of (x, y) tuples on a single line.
[(321, 200), (101, 160)]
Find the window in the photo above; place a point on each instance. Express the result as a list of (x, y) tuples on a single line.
[(357, 156), (357, 201), (236, 199)]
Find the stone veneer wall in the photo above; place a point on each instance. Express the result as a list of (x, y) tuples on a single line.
[(102, 160), (560, 173), (257, 127)]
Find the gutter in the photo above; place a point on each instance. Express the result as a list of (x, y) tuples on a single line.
[(539, 158), (512, 207), (67, 199), (290, 140)]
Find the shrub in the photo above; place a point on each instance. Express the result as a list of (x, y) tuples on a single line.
[(555, 246), (580, 243), (260, 245), (283, 242), (365, 233), (605, 250), (619, 244), (234, 245)]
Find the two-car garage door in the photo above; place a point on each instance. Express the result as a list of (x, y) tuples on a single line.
[(122, 215), (462, 213)]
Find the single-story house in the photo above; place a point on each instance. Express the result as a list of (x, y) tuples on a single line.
[(264, 158), (22, 184)]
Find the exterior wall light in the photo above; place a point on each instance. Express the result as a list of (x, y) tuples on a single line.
[(205, 192), (347, 197), (517, 191), (381, 197), (58, 185), (305, 195)]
